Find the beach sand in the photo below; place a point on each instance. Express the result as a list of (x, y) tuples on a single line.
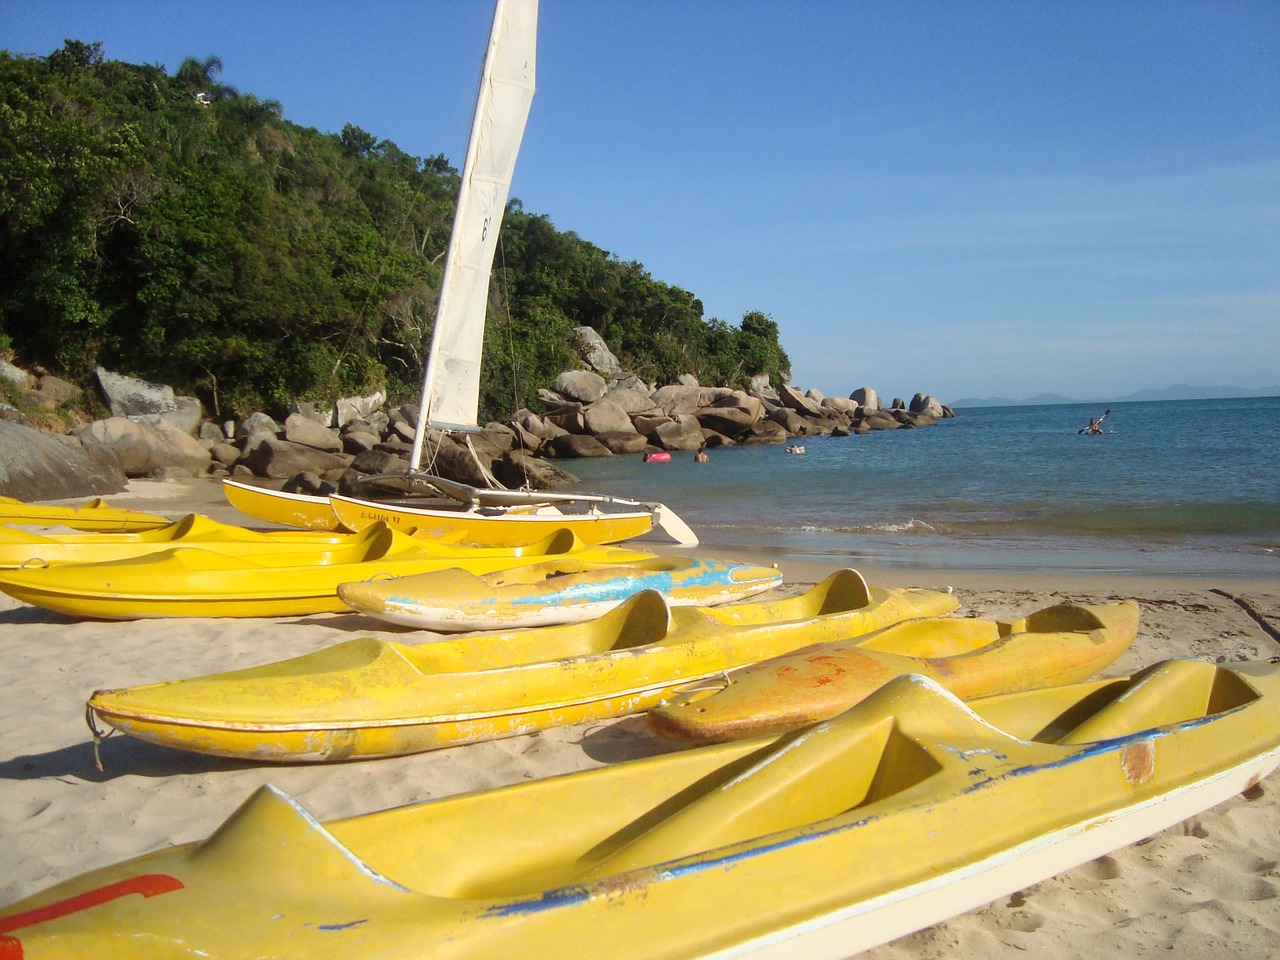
[(1209, 887)]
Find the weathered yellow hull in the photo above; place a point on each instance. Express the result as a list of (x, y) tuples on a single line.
[(371, 698), (94, 515), (495, 527), (905, 810), (1062, 644), (190, 582), (19, 548), (561, 591), (277, 506)]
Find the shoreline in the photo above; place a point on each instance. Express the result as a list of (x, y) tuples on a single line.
[(1207, 886)]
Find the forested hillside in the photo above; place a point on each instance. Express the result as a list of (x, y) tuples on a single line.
[(176, 229)]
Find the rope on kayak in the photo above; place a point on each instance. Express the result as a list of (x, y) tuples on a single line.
[(98, 736)]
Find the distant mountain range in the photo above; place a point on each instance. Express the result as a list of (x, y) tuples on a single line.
[(1179, 391)]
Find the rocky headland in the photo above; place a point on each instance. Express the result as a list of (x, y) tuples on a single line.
[(597, 411)]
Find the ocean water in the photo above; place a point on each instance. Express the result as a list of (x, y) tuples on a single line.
[(1182, 487)]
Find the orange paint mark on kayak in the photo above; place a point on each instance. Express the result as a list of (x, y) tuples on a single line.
[(148, 885)]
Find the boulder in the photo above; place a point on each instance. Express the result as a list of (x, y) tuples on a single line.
[(591, 347), (299, 428), (577, 446), (567, 419), (15, 375), (622, 443), (630, 399), (880, 420), (687, 380), (629, 381), (898, 404), (731, 415), (356, 442), (647, 423), (867, 398), (681, 433), (580, 385), (605, 416), (814, 394), (380, 460), (131, 397), (518, 470), (766, 431), (357, 408), (50, 391), (760, 386), (281, 459), (840, 405), (186, 415), (42, 466), (793, 399), (256, 423), (309, 484), (675, 399), (12, 414), (312, 411), (923, 403), (143, 449), (790, 421)]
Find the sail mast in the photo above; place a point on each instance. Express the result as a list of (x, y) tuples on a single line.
[(451, 379)]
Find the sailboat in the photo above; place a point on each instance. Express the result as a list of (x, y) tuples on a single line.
[(451, 380)]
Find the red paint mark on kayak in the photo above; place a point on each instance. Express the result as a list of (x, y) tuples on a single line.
[(148, 885)]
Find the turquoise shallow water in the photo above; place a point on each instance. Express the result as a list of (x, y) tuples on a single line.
[(1178, 487)]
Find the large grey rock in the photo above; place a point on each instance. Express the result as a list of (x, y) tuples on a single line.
[(35, 465), (840, 404), (795, 424), (144, 449), (568, 419), (592, 349), (675, 399), (766, 431), (687, 380), (880, 420), (299, 428), (580, 385), (12, 414), (281, 459), (357, 408), (605, 416), (256, 423), (630, 399), (759, 384), (793, 399), (131, 397), (681, 433), (577, 445), (629, 442), (15, 375), (732, 415), (923, 403), (311, 410), (186, 415), (867, 398), (50, 391), (518, 470)]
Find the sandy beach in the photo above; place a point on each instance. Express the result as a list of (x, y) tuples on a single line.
[(1209, 887)]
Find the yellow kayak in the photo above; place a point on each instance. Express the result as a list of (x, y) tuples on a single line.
[(191, 582), (971, 658), (277, 506), (496, 527), (19, 548), (95, 515), (907, 809), (372, 698), (561, 591)]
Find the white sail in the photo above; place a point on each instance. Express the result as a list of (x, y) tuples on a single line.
[(451, 382)]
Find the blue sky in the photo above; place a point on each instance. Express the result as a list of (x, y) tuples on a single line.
[(961, 198)]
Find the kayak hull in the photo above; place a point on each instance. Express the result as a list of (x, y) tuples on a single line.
[(567, 591), (95, 515), (370, 697), (1065, 643), (191, 582), (637, 860)]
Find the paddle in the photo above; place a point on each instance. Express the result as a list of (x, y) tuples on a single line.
[(1093, 424)]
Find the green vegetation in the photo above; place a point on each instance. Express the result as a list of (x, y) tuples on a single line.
[(175, 229)]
